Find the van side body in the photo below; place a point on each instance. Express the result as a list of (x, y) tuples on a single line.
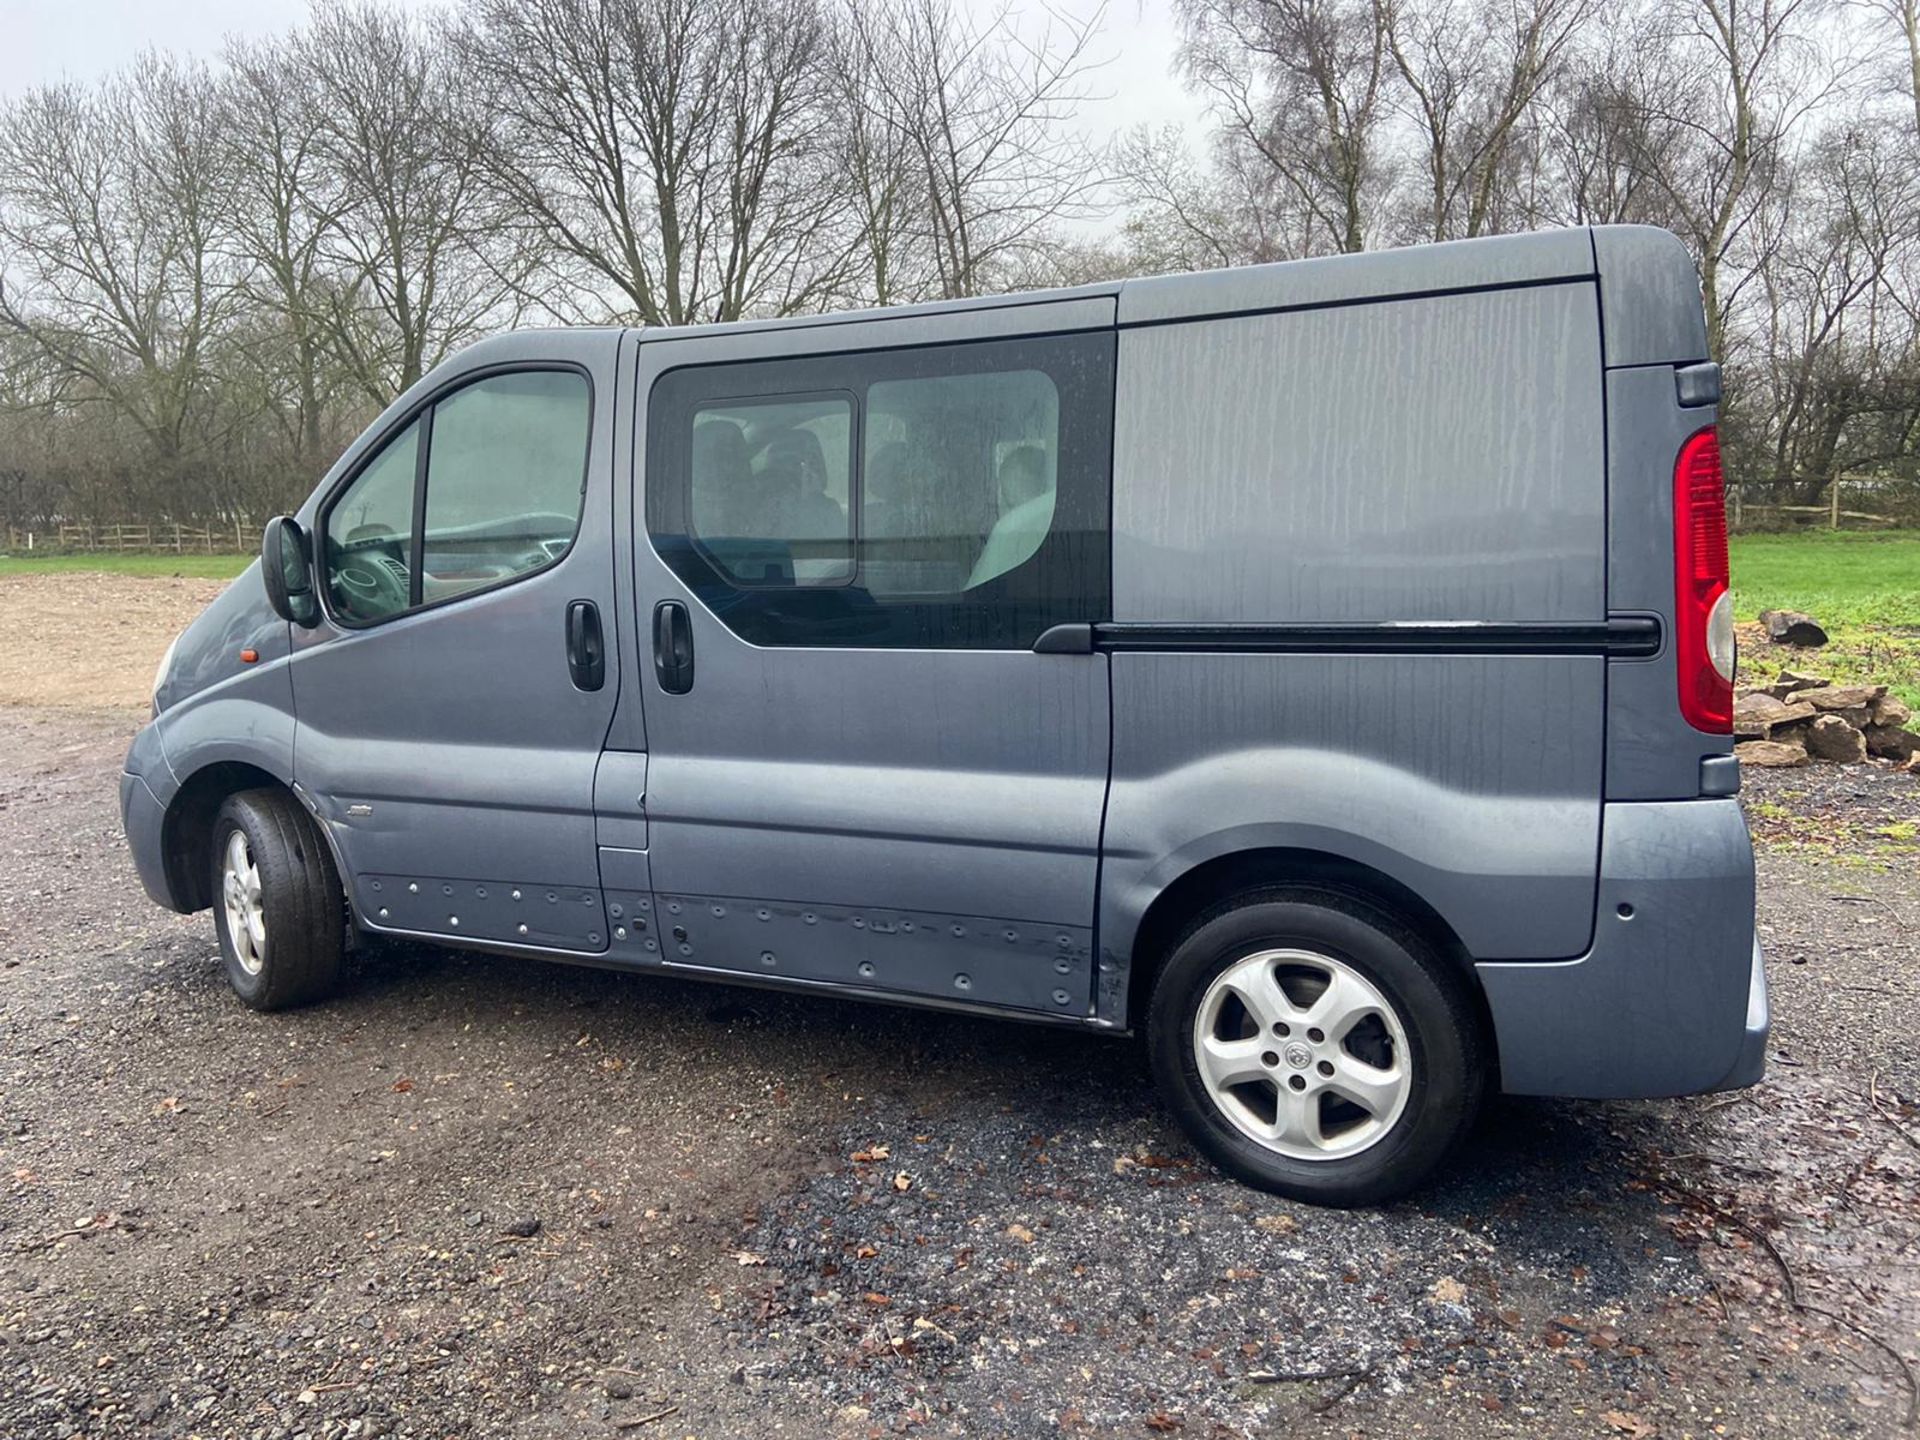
[(1357, 572)]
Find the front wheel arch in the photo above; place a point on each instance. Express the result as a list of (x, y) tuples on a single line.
[(186, 833)]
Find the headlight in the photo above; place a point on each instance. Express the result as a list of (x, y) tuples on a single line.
[(160, 675)]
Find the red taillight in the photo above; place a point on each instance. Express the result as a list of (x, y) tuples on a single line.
[(1703, 608)]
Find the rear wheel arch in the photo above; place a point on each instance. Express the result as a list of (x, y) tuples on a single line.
[(1219, 881)]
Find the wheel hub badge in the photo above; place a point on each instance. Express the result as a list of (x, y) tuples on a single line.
[(1298, 1056)]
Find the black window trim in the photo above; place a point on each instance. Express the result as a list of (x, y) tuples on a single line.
[(422, 411), (856, 423)]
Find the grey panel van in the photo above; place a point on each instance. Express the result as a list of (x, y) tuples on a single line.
[(1322, 669)]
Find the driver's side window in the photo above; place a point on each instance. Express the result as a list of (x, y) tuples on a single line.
[(370, 534)]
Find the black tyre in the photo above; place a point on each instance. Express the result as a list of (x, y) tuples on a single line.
[(1312, 1045), (277, 902)]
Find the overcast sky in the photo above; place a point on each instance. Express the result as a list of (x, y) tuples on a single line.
[(44, 40)]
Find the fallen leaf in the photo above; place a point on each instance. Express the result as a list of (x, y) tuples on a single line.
[(869, 1155), (876, 1299), (402, 1085), (1162, 1422), (1276, 1224), (1447, 1291), (1021, 1233), (748, 1257), (902, 1182), (1628, 1423)]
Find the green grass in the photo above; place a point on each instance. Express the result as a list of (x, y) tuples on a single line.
[(1864, 587), (200, 567)]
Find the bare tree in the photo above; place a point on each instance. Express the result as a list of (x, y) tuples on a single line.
[(421, 253), (108, 215), (1471, 72), (1300, 86), (980, 110), (674, 151), (277, 203)]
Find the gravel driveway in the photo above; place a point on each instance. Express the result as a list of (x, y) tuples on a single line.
[(482, 1197)]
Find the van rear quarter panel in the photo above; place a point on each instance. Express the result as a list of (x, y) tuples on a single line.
[(1437, 458)]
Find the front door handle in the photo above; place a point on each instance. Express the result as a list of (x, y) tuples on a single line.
[(673, 647), (586, 647)]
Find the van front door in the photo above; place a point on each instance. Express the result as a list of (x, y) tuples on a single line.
[(449, 720), (851, 535)]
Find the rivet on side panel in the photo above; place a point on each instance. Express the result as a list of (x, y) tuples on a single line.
[(1063, 966), (858, 923), (652, 946), (866, 969), (446, 889), (1063, 941), (907, 926), (963, 982), (673, 907), (383, 912), (481, 891), (454, 921), (810, 918), (767, 958), (516, 894), (615, 911), (1060, 997), (552, 899), (413, 887), (719, 911), (686, 950), (619, 932), (376, 884), (1010, 936), (593, 938), (764, 915), (679, 932), (523, 929), (959, 930)]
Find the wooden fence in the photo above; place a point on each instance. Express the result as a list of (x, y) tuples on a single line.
[(1741, 510), (239, 538)]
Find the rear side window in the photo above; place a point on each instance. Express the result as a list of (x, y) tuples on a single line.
[(484, 486), (771, 482), (950, 497)]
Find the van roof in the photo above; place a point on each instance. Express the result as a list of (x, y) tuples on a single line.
[(1538, 256)]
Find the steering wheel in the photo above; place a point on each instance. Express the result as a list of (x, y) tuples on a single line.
[(367, 588)]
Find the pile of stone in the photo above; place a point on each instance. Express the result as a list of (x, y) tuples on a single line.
[(1806, 717)]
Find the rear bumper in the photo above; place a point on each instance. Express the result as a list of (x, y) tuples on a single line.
[(1671, 998)]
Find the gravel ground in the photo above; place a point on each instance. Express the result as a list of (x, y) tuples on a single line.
[(484, 1197)]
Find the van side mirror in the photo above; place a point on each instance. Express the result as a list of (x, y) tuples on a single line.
[(286, 568)]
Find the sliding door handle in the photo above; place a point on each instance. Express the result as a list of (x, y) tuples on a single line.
[(673, 647)]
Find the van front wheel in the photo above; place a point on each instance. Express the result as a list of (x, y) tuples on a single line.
[(1311, 1045), (277, 902)]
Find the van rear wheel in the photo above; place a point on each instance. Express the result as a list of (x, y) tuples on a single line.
[(1313, 1046), (277, 903)]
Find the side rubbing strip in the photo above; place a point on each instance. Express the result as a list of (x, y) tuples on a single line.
[(1621, 636)]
